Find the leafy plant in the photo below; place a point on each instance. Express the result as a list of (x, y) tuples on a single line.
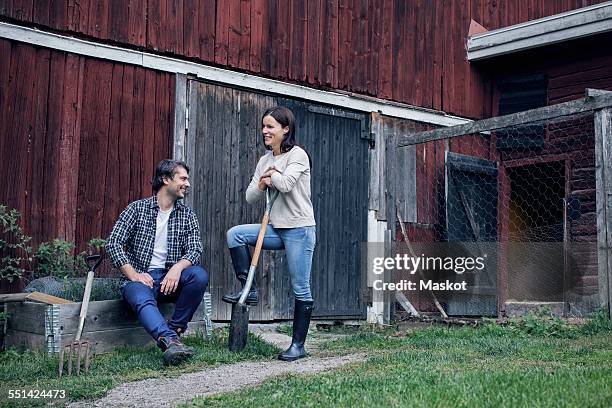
[(55, 259), (96, 243), (599, 322), (544, 326), (541, 323), (18, 259), (15, 249)]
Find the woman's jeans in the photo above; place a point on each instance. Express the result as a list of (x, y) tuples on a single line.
[(188, 295), (298, 243)]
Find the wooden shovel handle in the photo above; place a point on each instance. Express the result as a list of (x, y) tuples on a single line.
[(272, 196), (262, 232), (84, 304), (260, 238)]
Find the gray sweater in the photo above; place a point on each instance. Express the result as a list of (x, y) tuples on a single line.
[(293, 207)]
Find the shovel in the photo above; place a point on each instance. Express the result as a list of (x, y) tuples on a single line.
[(80, 349), (239, 325)]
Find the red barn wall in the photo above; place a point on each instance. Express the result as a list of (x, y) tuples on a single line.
[(407, 51), (80, 138)]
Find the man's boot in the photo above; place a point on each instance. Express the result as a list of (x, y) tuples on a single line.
[(241, 259), (175, 352), (179, 332), (301, 321)]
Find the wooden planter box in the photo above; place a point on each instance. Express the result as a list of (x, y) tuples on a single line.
[(109, 324)]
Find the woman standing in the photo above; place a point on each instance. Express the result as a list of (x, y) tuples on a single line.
[(286, 168)]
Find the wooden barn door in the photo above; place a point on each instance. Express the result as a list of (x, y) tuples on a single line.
[(224, 144), (471, 213)]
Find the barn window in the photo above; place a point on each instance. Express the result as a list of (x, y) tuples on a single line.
[(517, 94)]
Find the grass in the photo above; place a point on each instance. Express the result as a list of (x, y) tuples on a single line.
[(31, 370), (530, 362), (536, 361)]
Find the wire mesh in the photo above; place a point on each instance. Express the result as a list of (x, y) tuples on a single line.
[(106, 284), (527, 194)]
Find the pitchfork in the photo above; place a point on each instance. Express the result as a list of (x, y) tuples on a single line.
[(80, 349)]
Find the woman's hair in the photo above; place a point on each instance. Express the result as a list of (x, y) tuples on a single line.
[(166, 168), (285, 117)]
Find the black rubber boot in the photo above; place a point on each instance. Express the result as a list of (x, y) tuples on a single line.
[(241, 259), (175, 352), (301, 321)]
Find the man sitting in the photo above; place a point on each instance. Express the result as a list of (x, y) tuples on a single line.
[(156, 245)]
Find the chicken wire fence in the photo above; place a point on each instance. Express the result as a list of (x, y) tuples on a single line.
[(105, 286), (522, 196)]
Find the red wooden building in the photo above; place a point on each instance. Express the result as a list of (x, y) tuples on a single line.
[(94, 93)]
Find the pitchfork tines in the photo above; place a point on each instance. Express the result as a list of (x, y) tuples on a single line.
[(76, 354), (79, 350)]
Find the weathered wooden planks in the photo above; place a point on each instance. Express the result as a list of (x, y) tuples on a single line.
[(73, 130), (603, 152), (412, 52), (109, 324), (222, 170)]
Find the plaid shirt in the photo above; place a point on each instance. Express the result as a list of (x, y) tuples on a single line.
[(133, 235)]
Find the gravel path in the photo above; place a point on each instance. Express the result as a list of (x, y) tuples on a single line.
[(161, 392)]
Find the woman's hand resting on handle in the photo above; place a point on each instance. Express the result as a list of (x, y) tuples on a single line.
[(265, 180)]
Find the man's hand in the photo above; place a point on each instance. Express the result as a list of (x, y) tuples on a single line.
[(133, 275), (144, 278), (171, 280)]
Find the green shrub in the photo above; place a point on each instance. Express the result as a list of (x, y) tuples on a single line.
[(536, 325), (55, 259), (18, 259), (542, 324), (15, 249), (599, 322)]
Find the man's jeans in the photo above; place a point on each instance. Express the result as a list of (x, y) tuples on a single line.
[(187, 296), (298, 243)]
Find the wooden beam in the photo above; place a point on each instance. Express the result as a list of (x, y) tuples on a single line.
[(590, 92), (390, 196), (376, 236), (563, 27), (33, 296), (191, 126), (180, 117), (603, 180), (388, 297), (412, 254), (405, 303), (13, 297), (587, 104)]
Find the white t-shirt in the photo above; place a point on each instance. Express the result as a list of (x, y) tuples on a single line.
[(160, 249)]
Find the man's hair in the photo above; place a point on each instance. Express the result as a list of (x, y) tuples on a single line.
[(166, 168)]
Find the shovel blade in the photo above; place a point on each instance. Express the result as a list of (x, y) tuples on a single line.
[(239, 327)]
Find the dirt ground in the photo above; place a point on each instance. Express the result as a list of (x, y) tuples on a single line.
[(161, 392)]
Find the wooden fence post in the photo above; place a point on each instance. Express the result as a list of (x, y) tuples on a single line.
[(603, 178), (390, 196), (180, 116)]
